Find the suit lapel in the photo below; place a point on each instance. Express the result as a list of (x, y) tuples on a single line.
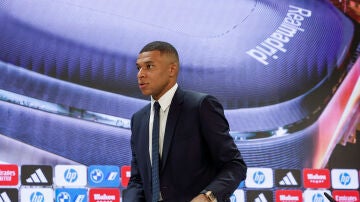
[(145, 137), (173, 116)]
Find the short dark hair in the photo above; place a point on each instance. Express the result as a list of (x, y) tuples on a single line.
[(163, 47)]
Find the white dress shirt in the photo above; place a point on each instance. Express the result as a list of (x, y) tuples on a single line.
[(164, 102)]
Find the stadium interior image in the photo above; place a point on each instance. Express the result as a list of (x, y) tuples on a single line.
[(286, 71)]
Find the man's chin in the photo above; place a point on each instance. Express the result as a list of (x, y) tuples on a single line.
[(145, 93)]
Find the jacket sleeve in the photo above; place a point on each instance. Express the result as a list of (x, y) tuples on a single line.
[(231, 168), (134, 191)]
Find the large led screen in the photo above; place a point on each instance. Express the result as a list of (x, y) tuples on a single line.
[(286, 72)]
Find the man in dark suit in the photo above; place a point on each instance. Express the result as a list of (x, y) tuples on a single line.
[(196, 156)]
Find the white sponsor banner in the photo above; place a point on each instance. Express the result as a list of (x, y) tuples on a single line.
[(259, 178), (344, 179), (37, 194), (238, 196), (70, 175), (315, 195)]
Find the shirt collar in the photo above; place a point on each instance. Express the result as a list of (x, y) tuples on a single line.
[(165, 100)]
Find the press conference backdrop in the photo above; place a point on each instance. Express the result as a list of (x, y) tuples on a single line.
[(286, 72)]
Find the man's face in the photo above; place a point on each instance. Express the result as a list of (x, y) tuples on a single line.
[(157, 73)]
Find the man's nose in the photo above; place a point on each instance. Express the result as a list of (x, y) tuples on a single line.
[(140, 73)]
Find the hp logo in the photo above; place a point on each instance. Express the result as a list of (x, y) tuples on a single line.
[(259, 177), (344, 178), (233, 198), (37, 197), (317, 198), (70, 175)]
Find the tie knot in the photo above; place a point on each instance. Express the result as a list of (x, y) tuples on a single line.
[(156, 106)]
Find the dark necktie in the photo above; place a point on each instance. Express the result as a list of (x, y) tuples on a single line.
[(155, 154)]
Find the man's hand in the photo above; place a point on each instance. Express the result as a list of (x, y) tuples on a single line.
[(200, 198)]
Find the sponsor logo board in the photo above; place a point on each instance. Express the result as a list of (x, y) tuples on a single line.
[(344, 179), (238, 196), (71, 195), (346, 195), (259, 178), (70, 175), (315, 195), (103, 176), (259, 195), (39, 175), (37, 194), (125, 175), (9, 195), (316, 178), (288, 195), (104, 194), (288, 178), (9, 175)]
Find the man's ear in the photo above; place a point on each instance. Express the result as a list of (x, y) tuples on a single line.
[(174, 68)]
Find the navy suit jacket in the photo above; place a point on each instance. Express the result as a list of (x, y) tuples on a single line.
[(198, 152)]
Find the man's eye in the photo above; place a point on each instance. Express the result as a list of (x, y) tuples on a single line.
[(149, 66)]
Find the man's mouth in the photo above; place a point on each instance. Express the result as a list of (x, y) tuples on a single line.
[(142, 85)]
